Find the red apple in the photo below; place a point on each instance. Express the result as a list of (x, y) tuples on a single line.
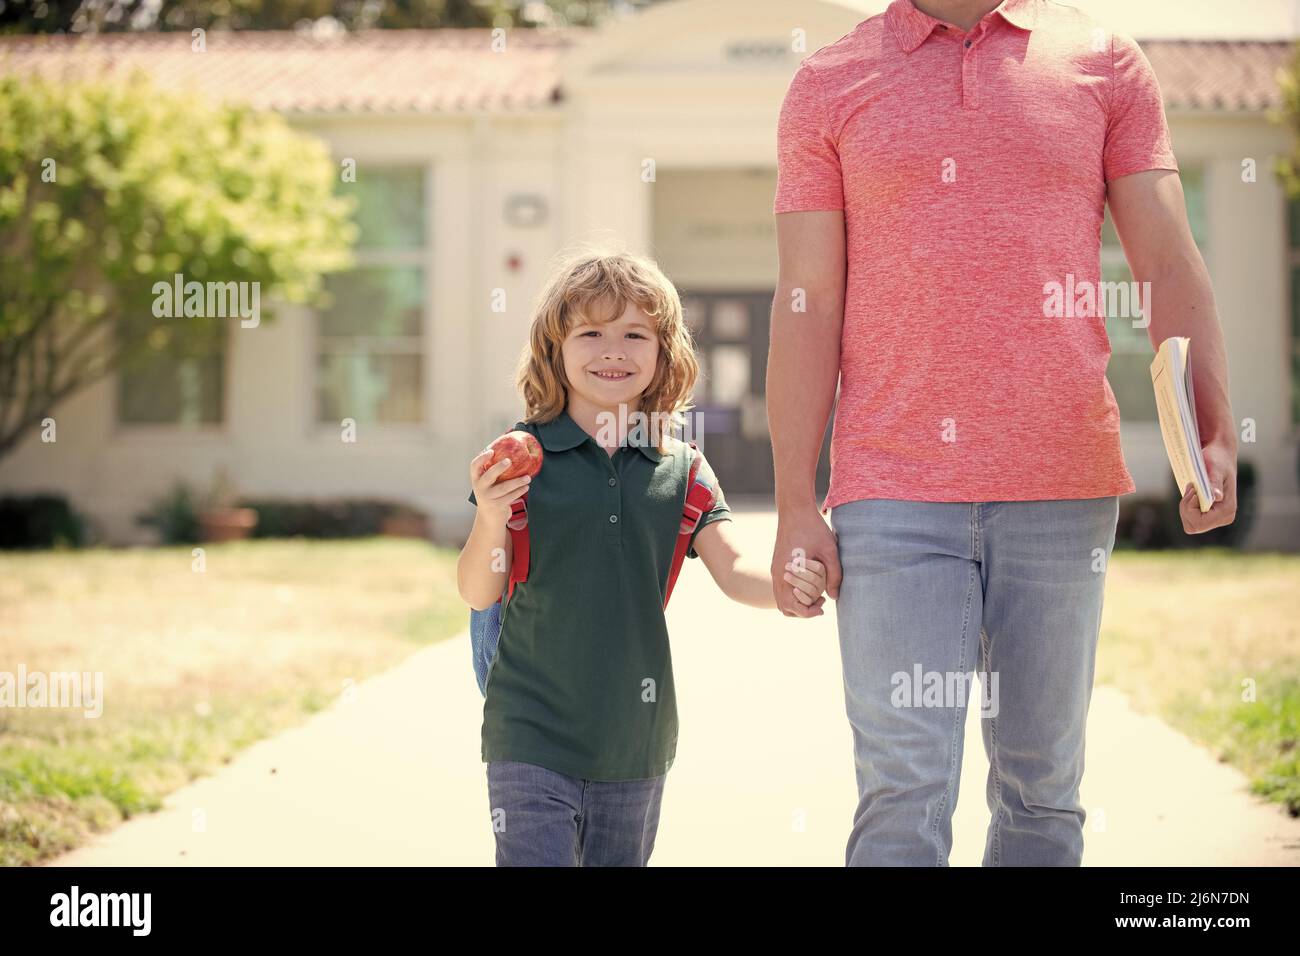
[(523, 450)]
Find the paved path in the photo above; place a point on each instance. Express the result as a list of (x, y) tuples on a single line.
[(764, 771)]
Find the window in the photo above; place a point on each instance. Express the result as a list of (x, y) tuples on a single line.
[(369, 361), (167, 384), (1129, 371)]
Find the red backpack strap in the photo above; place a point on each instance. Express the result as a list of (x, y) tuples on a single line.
[(698, 503), (518, 525)]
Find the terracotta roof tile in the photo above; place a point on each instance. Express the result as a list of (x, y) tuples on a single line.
[(439, 71), (427, 71), (1219, 75)]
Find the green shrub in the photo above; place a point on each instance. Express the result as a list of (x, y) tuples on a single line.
[(329, 518), (175, 516), (39, 521)]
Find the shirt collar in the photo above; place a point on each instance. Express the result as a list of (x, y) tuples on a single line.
[(563, 433), (912, 27)]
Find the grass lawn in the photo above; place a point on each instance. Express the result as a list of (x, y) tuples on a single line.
[(1210, 641), (195, 665)]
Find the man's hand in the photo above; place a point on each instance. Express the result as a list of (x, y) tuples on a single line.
[(809, 580), (1221, 466), (803, 537)]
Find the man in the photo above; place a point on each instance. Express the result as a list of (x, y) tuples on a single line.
[(941, 168)]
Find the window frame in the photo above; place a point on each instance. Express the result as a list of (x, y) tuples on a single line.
[(120, 428), (421, 258)]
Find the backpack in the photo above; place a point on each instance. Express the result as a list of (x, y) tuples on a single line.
[(485, 626)]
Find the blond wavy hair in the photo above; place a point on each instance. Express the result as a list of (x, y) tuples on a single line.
[(596, 287)]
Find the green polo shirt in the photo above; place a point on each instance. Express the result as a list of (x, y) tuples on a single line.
[(583, 680)]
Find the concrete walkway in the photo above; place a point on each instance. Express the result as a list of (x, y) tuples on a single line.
[(764, 771)]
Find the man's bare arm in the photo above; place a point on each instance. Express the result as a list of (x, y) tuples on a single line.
[(803, 369), (1150, 216), (803, 362)]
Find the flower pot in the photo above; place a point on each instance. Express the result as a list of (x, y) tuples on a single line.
[(227, 524)]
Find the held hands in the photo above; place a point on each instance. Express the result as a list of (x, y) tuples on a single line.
[(803, 540), (494, 500), (808, 583)]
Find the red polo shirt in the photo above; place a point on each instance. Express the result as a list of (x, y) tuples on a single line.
[(971, 168)]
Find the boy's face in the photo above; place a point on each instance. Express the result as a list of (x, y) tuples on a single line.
[(628, 344)]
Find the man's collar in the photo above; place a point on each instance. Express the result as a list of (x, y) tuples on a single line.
[(563, 433), (912, 27)]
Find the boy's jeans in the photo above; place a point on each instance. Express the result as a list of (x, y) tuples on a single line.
[(544, 818), (932, 591)]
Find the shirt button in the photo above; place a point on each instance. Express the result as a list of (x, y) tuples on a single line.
[(613, 519), (968, 42), (613, 482)]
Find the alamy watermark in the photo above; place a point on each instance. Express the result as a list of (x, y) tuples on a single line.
[(75, 908), (944, 689), (62, 689), (644, 428), (215, 300), (1085, 299)]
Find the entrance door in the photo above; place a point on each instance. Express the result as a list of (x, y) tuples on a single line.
[(729, 420)]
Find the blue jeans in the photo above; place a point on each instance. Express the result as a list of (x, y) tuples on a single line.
[(932, 591), (544, 818)]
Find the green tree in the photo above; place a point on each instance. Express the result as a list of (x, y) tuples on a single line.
[(1287, 169), (109, 189)]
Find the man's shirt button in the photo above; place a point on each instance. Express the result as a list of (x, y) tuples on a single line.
[(613, 482), (613, 519)]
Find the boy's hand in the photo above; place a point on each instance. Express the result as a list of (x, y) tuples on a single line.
[(495, 498), (809, 582)]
